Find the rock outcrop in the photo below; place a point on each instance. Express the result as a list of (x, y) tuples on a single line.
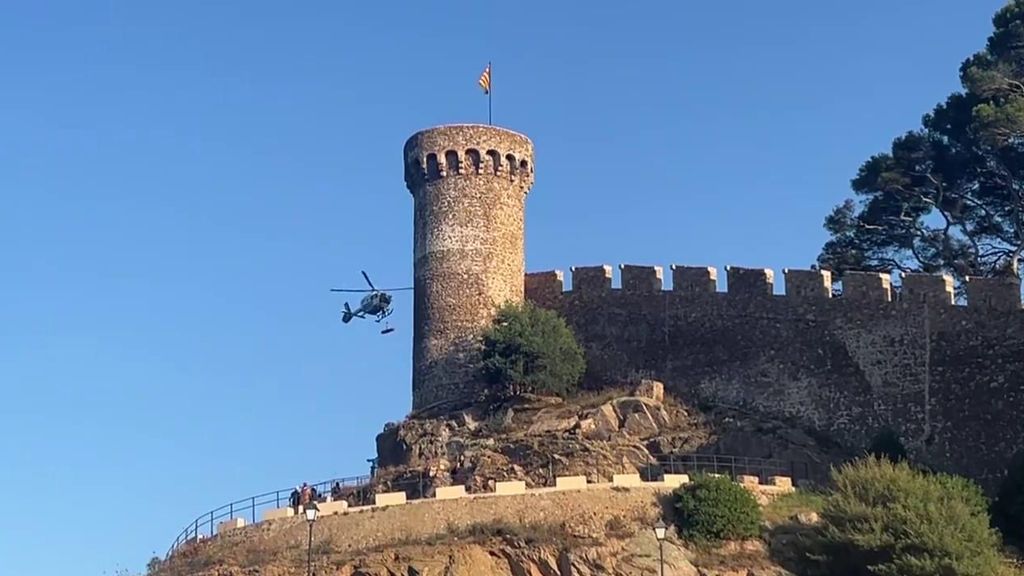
[(635, 556), (598, 435), (535, 438)]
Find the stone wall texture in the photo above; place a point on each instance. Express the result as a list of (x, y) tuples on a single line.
[(947, 378), (469, 184)]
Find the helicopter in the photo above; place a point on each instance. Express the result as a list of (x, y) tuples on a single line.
[(375, 304)]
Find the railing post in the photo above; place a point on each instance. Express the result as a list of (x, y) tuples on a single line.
[(231, 511), (253, 509), (211, 523)]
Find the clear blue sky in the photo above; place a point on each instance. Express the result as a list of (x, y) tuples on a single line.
[(182, 182)]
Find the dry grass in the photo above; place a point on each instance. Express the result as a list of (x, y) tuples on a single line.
[(731, 557), (534, 534), (785, 507), (589, 399), (619, 527), (333, 553)]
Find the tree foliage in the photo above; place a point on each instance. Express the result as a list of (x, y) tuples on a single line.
[(887, 519), (531, 350), (712, 509), (948, 196)]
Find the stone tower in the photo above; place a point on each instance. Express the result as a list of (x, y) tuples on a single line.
[(469, 184)]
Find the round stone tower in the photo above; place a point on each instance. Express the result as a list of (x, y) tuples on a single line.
[(469, 184)]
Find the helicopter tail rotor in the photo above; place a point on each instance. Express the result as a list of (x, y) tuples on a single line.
[(346, 316)]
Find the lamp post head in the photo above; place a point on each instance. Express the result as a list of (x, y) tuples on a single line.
[(660, 529), (311, 511)]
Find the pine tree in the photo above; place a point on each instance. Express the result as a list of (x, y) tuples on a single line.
[(949, 196)]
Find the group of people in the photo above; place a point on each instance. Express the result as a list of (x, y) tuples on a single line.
[(304, 494)]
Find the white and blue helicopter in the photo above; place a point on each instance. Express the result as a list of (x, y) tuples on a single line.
[(375, 304)]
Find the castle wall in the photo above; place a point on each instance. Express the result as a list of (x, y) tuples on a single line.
[(469, 185), (949, 379)]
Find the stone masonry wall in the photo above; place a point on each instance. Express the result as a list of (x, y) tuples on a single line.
[(469, 184), (949, 379)]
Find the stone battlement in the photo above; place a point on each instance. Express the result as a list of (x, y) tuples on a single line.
[(468, 150), (948, 379), (801, 285)]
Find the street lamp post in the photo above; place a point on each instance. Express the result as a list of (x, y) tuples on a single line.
[(659, 533), (311, 511)]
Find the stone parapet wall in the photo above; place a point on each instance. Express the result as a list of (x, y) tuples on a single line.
[(948, 378), (803, 285), (609, 528), (764, 492)]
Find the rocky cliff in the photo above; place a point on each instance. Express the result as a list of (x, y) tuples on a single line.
[(625, 430)]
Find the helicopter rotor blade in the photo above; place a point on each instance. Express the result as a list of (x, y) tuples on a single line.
[(351, 290), (368, 281)]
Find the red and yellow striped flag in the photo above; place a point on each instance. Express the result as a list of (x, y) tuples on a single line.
[(485, 79)]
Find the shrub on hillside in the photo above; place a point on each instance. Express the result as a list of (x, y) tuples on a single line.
[(531, 350), (887, 519), (712, 509), (1008, 506)]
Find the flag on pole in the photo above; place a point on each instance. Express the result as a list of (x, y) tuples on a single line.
[(485, 83), (485, 79)]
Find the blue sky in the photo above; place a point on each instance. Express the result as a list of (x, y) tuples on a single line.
[(182, 182)]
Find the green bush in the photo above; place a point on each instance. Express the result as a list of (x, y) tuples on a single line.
[(712, 509), (531, 350), (887, 519), (1008, 507)]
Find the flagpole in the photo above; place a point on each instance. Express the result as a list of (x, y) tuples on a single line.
[(490, 89)]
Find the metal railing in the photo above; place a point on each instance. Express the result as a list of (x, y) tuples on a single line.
[(733, 466), (357, 490), (249, 507)]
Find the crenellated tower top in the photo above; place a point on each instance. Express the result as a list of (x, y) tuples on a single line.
[(468, 150)]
